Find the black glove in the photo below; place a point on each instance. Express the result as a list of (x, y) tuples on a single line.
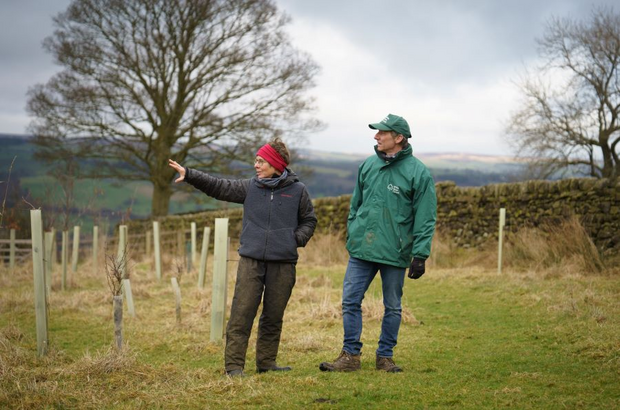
[(417, 268)]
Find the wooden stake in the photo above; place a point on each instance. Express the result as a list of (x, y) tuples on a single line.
[(193, 238), (95, 249), (63, 258), (157, 250), (118, 320), (203, 257), (188, 257), (76, 248), (502, 222), (54, 259), (177, 294), (12, 252), (220, 268), (149, 250), (40, 300), (180, 243)]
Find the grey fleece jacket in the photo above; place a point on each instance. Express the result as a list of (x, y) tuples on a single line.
[(275, 220)]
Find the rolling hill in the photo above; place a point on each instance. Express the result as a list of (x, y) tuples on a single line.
[(325, 173)]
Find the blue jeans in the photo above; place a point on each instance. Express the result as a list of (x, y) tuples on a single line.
[(357, 279)]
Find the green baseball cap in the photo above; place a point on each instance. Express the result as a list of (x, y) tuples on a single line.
[(393, 123)]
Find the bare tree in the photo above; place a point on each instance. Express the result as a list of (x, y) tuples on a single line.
[(203, 81), (569, 117)]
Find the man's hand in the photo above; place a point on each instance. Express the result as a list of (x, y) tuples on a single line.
[(417, 268)]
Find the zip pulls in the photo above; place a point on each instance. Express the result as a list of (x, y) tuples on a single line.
[(268, 225)]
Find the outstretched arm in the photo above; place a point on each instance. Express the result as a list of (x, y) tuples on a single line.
[(231, 190)]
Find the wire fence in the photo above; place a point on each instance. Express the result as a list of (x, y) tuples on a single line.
[(170, 241)]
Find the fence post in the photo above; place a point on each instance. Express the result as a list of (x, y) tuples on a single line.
[(194, 239), (39, 281), (63, 258), (95, 249), (48, 241), (220, 262), (157, 250), (203, 257), (502, 222), (76, 248), (12, 252)]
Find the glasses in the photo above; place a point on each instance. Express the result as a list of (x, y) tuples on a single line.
[(259, 162)]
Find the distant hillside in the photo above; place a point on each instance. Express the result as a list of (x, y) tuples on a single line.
[(325, 173), (332, 174)]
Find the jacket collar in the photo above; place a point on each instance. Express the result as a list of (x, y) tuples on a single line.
[(407, 152), (291, 178)]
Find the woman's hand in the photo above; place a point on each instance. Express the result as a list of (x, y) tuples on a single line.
[(178, 168)]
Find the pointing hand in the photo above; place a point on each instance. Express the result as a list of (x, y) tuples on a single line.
[(178, 168)]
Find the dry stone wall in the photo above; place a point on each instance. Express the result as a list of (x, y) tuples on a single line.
[(470, 215)]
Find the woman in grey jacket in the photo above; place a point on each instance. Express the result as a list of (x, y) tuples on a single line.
[(278, 217)]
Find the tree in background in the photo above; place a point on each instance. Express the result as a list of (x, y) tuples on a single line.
[(203, 82), (569, 117)]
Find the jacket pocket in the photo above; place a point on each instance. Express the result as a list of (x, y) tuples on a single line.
[(281, 245), (252, 241)]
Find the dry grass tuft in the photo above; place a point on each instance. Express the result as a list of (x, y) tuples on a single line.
[(554, 249), (446, 254), (549, 250), (105, 362), (324, 249)]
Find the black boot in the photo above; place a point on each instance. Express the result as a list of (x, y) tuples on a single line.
[(274, 368)]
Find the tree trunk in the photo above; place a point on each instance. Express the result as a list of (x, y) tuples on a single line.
[(161, 199)]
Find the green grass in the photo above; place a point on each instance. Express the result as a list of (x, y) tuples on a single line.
[(470, 339)]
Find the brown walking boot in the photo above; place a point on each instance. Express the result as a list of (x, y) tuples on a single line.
[(346, 362), (387, 364)]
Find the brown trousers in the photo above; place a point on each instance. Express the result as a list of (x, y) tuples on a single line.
[(273, 281)]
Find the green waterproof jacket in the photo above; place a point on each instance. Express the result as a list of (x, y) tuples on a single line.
[(393, 210)]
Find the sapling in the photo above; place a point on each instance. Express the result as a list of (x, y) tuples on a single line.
[(114, 272), (176, 281)]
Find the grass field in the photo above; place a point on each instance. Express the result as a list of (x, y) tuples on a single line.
[(545, 338)]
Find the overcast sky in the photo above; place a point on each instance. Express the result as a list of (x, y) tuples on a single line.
[(447, 66)]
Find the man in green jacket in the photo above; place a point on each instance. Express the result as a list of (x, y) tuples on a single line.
[(390, 227)]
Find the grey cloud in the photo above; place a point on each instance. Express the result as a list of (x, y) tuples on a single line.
[(443, 42)]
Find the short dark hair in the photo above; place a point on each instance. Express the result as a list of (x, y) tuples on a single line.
[(404, 143)]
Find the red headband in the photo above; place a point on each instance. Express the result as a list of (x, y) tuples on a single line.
[(272, 156)]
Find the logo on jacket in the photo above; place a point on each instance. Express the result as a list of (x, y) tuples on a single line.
[(395, 189)]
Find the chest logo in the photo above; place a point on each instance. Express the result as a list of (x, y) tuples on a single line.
[(395, 189)]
